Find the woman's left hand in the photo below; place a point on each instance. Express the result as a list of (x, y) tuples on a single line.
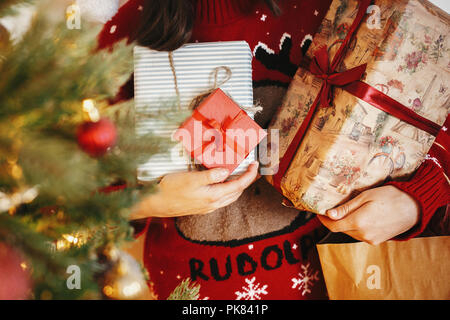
[(375, 215)]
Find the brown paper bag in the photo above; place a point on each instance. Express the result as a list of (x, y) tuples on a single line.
[(414, 269)]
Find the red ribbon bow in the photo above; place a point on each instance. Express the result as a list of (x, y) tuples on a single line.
[(320, 67), (221, 128)]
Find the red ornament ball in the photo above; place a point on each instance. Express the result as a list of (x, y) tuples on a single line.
[(95, 138), (15, 282)]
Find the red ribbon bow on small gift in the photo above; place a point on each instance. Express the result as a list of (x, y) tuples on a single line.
[(221, 128), (320, 67)]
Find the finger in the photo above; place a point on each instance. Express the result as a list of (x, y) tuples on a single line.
[(207, 177), (372, 239), (355, 235), (238, 184), (225, 201), (343, 225), (347, 208), (231, 200), (354, 221)]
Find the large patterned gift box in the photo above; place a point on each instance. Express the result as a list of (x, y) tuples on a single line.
[(367, 105)]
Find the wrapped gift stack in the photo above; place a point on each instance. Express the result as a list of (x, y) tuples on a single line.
[(164, 81), (367, 104)]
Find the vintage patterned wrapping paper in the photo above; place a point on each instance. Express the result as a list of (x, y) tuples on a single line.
[(352, 145)]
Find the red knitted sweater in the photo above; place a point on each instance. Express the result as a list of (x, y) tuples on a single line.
[(283, 264)]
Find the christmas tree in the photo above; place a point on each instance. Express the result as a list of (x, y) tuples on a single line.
[(64, 152)]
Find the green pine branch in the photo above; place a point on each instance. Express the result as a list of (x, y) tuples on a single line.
[(186, 290), (9, 7), (45, 76)]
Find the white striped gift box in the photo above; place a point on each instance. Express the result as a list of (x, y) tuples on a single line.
[(194, 65)]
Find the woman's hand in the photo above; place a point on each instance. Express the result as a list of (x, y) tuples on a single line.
[(195, 192), (375, 215)]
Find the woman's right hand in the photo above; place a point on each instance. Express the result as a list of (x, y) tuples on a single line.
[(194, 192)]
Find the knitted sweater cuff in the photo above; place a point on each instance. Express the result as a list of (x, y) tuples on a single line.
[(430, 184), (430, 188)]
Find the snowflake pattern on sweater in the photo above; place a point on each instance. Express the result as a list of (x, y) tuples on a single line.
[(252, 290), (305, 279)]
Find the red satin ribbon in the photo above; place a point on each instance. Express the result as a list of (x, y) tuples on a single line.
[(222, 129), (385, 103), (348, 80)]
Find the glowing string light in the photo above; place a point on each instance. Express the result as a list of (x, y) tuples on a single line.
[(90, 109)]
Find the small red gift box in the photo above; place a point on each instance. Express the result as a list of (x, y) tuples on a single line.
[(219, 133)]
